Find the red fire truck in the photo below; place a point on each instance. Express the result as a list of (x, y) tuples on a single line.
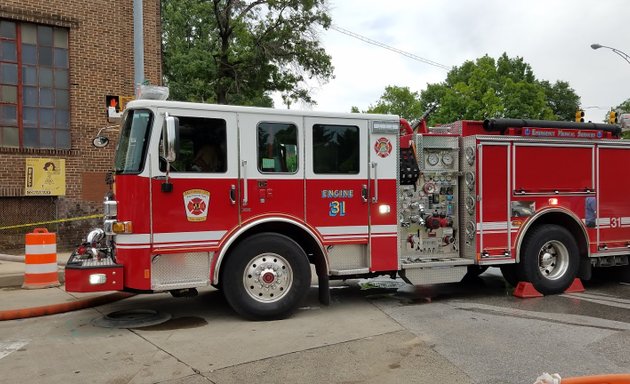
[(247, 199)]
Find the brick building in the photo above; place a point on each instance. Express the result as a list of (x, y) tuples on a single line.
[(58, 61)]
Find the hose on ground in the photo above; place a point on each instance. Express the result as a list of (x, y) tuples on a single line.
[(53, 309)]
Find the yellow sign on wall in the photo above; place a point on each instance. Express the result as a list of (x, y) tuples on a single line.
[(45, 177)]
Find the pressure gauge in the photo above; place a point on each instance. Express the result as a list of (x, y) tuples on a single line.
[(433, 159), (470, 155), (447, 159)]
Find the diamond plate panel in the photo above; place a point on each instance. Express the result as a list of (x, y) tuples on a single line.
[(351, 256), (418, 276), (180, 270)]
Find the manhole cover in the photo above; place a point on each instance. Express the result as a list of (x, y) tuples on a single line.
[(132, 318)]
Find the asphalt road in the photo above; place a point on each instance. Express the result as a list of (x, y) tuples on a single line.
[(472, 332)]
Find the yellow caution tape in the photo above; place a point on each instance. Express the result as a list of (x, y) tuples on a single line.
[(52, 222)]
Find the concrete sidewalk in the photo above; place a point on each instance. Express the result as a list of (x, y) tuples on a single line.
[(12, 269)]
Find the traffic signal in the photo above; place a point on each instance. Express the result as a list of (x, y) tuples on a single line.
[(579, 116), (612, 117)]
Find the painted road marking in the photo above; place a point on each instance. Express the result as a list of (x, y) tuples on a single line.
[(600, 299), (566, 318), (8, 347)]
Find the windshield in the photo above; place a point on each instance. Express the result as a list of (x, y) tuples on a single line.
[(134, 137)]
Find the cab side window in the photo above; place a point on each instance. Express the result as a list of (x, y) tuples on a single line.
[(335, 149), (277, 148), (202, 146)]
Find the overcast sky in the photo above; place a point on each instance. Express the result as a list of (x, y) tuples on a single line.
[(553, 36)]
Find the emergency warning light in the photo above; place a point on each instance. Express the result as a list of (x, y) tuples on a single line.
[(579, 116)]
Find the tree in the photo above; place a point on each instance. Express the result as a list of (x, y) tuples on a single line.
[(502, 88), (399, 101), (238, 51), (623, 107), (562, 99)]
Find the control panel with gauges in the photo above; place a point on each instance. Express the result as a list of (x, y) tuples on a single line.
[(429, 208)]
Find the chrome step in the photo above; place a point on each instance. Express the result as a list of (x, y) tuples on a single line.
[(436, 262), (435, 271)]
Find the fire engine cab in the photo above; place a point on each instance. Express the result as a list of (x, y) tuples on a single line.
[(247, 199)]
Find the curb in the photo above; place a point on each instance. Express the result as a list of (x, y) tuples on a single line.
[(12, 280)]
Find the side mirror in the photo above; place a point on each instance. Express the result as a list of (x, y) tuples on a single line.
[(170, 132), (100, 141)]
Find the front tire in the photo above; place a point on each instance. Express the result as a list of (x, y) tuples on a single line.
[(549, 259), (266, 277)]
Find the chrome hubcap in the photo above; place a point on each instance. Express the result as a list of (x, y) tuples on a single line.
[(553, 260), (268, 277)]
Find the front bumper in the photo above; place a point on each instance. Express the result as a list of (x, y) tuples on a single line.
[(93, 275)]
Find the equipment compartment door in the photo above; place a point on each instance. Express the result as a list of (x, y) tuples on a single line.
[(383, 158), (337, 182), (493, 223), (202, 205), (612, 208)]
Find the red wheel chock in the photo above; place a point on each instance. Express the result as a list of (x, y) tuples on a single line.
[(576, 286), (526, 290)]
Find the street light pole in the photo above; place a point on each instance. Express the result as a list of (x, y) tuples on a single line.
[(623, 55)]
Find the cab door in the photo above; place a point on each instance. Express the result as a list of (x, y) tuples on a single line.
[(271, 166), (337, 189), (200, 206)]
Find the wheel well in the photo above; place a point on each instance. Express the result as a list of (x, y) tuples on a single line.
[(297, 234), (574, 227)]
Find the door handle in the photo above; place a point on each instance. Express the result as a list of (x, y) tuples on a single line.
[(364, 193), (375, 197), (233, 194), (245, 194)]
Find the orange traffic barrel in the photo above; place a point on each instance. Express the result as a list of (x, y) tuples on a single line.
[(40, 261)]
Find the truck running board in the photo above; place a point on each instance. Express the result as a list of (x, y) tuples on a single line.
[(435, 271)]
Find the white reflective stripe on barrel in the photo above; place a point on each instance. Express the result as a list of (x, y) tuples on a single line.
[(40, 268), (41, 249)]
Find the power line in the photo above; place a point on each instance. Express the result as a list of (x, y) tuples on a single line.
[(383, 45)]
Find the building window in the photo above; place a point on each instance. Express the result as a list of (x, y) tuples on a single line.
[(34, 86), (277, 148), (335, 149)]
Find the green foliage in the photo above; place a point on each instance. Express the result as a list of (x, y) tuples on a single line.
[(623, 107), (399, 101), (502, 88), (562, 99), (238, 52)]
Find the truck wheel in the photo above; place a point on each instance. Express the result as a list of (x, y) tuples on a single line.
[(266, 277), (549, 259)]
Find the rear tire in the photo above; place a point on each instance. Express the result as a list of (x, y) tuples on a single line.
[(549, 259), (266, 277)]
